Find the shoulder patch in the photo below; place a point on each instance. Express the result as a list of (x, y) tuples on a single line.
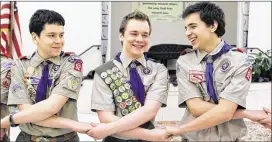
[(68, 53)]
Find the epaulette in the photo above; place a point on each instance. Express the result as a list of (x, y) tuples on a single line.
[(67, 53), (238, 49), (185, 51)]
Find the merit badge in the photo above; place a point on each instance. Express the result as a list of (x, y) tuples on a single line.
[(118, 99), (134, 99), (118, 82), (78, 65), (103, 75), (31, 91), (146, 71), (115, 92), (56, 68), (119, 74), (124, 95), (225, 66), (109, 71), (114, 69), (113, 76), (112, 86), (129, 91), (30, 71), (123, 80), (16, 87), (137, 105), (121, 89), (73, 83), (124, 111), (127, 86), (196, 76), (122, 105), (108, 80), (128, 102), (5, 83), (131, 109), (248, 74)]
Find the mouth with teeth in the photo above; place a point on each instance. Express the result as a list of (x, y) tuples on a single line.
[(138, 46), (193, 40)]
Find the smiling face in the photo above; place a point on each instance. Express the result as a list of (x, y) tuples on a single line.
[(201, 36), (135, 38), (51, 40)]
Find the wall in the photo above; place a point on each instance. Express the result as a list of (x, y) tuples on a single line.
[(168, 32), (259, 28)]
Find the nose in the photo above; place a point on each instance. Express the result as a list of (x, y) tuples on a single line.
[(139, 38), (188, 33), (58, 39)]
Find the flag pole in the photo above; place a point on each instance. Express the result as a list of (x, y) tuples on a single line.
[(11, 28)]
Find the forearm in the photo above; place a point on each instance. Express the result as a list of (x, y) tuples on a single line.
[(133, 120), (213, 117), (41, 111), (136, 133), (56, 122), (203, 107)]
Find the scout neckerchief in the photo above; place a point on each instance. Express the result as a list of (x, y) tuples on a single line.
[(209, 70), (135, 79)]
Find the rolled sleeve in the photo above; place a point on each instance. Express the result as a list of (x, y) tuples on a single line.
[(159, 89), (187, 89), (237, 89), (102, 97), (18, 89), (70, 81)]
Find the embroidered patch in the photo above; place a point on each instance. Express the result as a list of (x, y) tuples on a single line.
[(196, 76), (248, 74), (7, 65), (16, 87), (71, 59), (225, 66), (8, 75), (78, 65), (73, 83), (124, 111), (250, 60), (56, 68), (5, 83), (146, 71)]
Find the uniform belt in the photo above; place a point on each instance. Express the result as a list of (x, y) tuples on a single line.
[(53, 139)]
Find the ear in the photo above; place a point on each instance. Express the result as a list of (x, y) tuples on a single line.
[(214, 26), (121, 37), (34, 37)]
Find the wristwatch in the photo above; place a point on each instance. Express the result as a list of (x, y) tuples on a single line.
[(12, 124)]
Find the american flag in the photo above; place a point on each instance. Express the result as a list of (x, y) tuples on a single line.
[(10, 29)]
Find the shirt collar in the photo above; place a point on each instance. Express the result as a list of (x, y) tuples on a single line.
[(127, 60), (36, 60), (201, 54)]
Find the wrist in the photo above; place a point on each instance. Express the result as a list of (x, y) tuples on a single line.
[(113, 128), (11, 121)]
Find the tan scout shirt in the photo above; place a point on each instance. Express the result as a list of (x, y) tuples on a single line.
[(232, 78), (66, 75), (155, 84), (6, 64)]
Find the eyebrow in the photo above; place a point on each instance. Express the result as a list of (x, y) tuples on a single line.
[(191, 24), (55, 33), (137, 32)]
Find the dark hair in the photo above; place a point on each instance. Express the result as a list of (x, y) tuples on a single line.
[(138, 15), (42, 17), (209, 13)]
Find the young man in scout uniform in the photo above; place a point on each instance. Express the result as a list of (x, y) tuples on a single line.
[(129, 90), (45, 85), (213, 80), (6, 63)]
